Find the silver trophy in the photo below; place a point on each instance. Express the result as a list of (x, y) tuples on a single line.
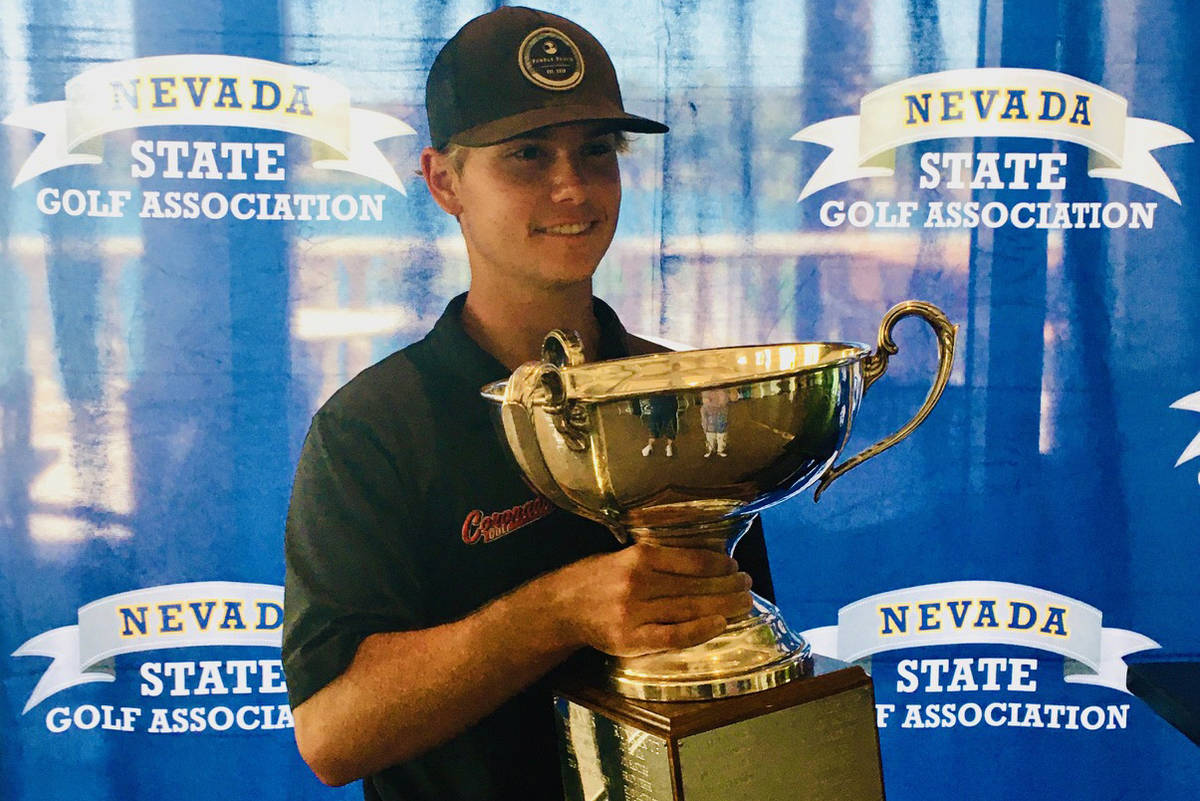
[(684, 449)]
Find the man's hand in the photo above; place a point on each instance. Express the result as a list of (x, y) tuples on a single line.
[(648, 598), (402, 694)]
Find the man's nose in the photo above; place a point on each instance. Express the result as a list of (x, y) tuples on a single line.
[(568, 180)]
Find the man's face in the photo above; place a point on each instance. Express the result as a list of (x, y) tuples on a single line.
[(539, 210)]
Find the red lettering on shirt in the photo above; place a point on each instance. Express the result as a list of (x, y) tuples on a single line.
[(478, 527)]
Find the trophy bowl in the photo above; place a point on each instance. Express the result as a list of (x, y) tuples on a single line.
[(683, 449)]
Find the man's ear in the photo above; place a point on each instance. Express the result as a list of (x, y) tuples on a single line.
[(442, 179)]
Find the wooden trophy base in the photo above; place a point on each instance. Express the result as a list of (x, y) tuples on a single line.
[(810, 739)]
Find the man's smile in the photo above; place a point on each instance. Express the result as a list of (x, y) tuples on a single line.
[(566, 229)]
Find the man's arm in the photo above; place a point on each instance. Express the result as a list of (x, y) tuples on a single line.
[(404, 692)]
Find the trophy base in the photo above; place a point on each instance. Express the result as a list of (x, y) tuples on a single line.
[(814, 739), (754, 653)]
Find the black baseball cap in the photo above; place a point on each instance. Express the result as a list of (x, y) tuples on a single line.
[(515, 69)]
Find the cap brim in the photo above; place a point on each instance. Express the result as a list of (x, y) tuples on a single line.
[(500, 130)]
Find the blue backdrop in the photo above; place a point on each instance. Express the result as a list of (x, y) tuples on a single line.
[(185, 277)]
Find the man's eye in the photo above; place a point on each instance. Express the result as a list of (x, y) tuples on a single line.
[(527, 153), (598, 148)]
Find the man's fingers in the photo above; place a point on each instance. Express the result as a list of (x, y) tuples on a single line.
[(653, 598), (687, 561), (669, 636), (670, 585), (678, 610)]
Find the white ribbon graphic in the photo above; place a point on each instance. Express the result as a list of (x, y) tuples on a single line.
[(1092, 654), (1189, 403), (969, 103), (168, 616), (207, 90)]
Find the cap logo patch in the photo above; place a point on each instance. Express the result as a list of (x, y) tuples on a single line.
[(551, 60)]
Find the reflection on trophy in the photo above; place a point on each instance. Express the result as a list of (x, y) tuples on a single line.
[(574, 430), (714, 418)]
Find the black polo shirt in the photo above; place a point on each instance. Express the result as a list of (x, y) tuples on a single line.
[(407, 513)]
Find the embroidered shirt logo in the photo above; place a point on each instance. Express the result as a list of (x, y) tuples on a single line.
[(480, 528)]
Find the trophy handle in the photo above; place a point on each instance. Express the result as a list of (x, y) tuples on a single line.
[(563, 348), (517, 423), (875, 365)]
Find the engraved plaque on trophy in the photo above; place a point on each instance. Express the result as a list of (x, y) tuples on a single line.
[(811, 739)]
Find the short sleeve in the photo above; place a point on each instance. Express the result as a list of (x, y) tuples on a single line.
[(349, 549)]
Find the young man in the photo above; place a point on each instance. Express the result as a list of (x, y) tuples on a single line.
[(428, 589)]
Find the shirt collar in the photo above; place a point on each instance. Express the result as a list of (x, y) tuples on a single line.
[(454, 348)]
